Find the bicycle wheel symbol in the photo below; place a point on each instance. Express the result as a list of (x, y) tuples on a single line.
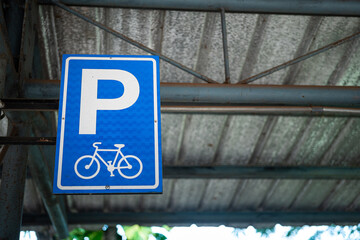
[(88, 166), (129, 167), (83, 168)]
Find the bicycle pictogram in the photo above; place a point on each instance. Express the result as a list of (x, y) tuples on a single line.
[(88, 166)]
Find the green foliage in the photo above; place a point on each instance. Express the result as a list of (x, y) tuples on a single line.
[(137, 232), (80, 234), (134, 232), (159, 236)]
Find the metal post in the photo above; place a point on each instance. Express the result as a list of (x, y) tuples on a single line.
[(12, 192), (14, 164)]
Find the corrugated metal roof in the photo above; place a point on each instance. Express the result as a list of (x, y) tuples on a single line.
[(256, 42)]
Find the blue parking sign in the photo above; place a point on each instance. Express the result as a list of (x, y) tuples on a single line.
[(108, 138)]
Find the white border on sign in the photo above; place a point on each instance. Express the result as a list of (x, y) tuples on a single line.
[(156, 121)]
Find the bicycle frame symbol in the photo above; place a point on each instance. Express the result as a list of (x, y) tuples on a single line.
[(128, 166)]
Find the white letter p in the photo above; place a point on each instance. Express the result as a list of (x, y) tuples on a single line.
[(89, 91)]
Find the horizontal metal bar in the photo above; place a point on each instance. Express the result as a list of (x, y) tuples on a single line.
[(264, 110), (261, 172), (311, 7), (29, 104), (53, 105), (172, 218), (229, 94), (260, 95), (27, 140), (241, 172)]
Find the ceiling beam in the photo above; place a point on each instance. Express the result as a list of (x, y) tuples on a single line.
[(228, 94), (307, 7), (227, 218), (261, 172), (264, 172), (318, 111)]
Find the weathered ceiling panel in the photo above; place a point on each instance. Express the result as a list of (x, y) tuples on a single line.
[(181, 40), (281, 140), (238, 142), (186, 195), (244, 38), (172, 127), (279, 40), (158, 202), (250, 194), (320, 133), (86, 203), (319, 69), (201, 138), (219, 194), (312, 194), (342, 196), (256, 43)]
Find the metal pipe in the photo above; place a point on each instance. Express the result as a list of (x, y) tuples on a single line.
[(311, 7), (198, 217), (257, 172), (225, 46), (134, 43), (264, 110), (230, 110), (27, 140), (179, 94), (261, 172), (29, 104), (259, 95), (300, 59)]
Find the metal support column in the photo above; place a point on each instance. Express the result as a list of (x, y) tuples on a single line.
[(12, 192), (14, 164)]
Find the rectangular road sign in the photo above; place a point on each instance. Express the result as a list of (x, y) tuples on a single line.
[(108, 138)]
